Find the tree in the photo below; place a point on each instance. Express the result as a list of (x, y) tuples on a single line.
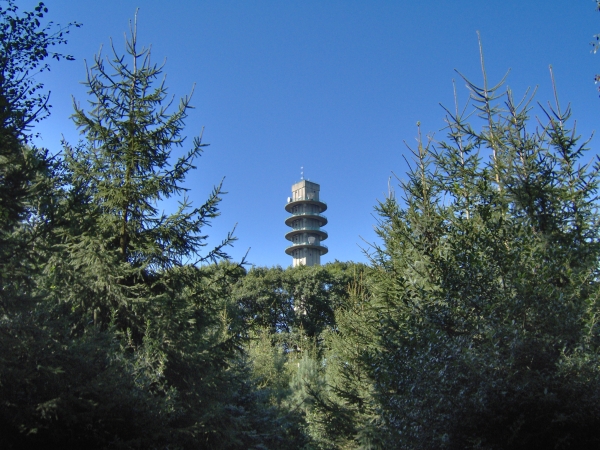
[(487, 284), (124, 293), (117, 180), (25, 47), (294, 299), (347, 411), (290, 317)]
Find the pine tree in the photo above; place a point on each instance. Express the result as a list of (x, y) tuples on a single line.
[(487, 285), (348, 410), (118, 178), (169, 334)]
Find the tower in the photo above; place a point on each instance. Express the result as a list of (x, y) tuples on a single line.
[(306, 221)]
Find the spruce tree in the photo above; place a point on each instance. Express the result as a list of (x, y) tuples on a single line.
[(169, 334), (487, 284), (291, 325), (348, 410), (118, 178)]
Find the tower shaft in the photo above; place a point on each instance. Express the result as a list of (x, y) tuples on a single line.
[(305, 221)]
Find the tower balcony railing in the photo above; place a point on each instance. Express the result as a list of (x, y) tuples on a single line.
[(301, 228), (301, 199), (304, 201), (314, 245), (308, 214)]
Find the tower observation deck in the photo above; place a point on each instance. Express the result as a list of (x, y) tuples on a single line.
[(305, 221)]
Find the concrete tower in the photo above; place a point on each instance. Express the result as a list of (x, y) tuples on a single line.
[(306, 221)]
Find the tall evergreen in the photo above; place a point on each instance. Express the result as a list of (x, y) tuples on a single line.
[(118, 178), (139, 346), (487, 284)]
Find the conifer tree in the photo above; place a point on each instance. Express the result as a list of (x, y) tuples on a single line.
[(348, 411), (487, 285), (128, 273), (118, 177), (290, 320)]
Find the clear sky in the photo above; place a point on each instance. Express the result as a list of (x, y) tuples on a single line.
[(334, 86)]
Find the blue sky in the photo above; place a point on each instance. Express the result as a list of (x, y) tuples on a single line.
[(334, 86)]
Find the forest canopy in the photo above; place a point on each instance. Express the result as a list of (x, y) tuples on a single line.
[(474, 325)]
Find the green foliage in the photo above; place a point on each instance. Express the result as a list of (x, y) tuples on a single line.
[(486, 286), (122, 268), (476, 327), (300, 298), (289, 313), (269, 364), (119, 245), (126, 342), (25, 45), (89, 392), (125, 165), (347, 410), (272, 371)]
